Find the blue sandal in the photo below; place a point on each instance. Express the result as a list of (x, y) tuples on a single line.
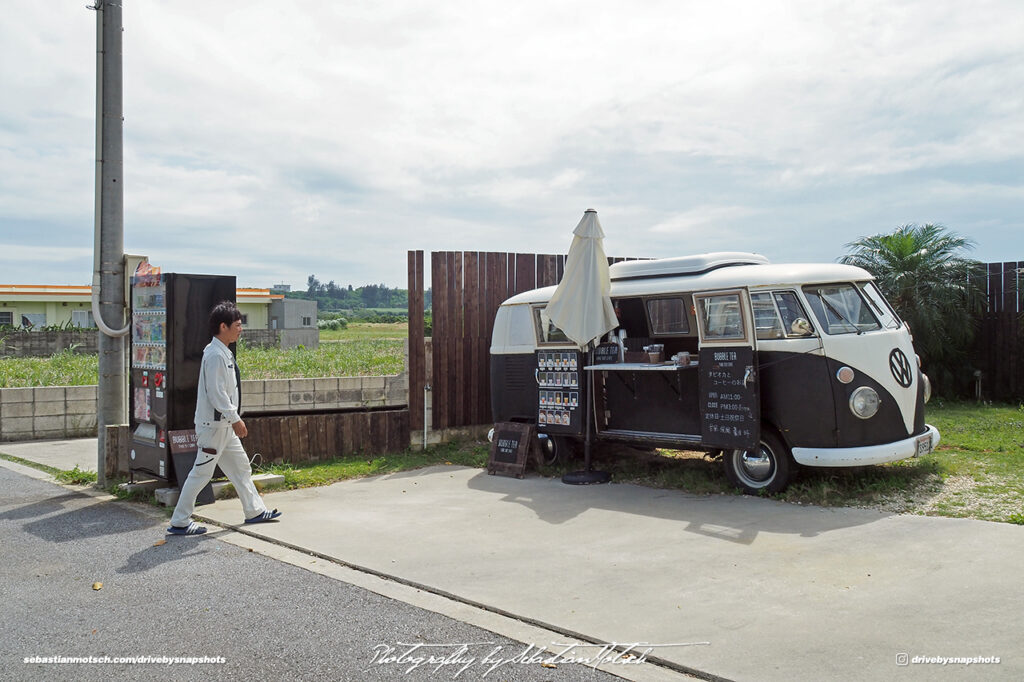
[(191, 529), (264, 517)]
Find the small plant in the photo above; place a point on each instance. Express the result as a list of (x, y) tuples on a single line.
[(76, 476)]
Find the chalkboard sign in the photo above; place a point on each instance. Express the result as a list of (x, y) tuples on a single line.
[(606, 354), (730, 411), (509, 449)]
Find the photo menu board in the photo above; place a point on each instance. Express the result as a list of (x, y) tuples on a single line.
[(559, 391), (149, 323)]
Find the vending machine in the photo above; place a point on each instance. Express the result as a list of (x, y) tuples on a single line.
[(170, 329)]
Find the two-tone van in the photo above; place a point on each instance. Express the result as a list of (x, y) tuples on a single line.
[(775, 366)]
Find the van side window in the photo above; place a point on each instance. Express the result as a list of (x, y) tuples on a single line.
[(668, 316), (721, 316), (840, 308), (779, 315), (550, 335)]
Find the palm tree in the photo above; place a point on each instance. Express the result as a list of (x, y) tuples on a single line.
[(927, 279)]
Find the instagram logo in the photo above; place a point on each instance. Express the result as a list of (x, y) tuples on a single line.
[(902, 659)]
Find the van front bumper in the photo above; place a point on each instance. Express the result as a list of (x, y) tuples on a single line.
[(871, 454)]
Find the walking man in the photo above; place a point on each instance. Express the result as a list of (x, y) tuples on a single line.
[(219, 428)]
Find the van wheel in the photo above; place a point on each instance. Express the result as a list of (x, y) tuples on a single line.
[(768, 469), (555, 449)]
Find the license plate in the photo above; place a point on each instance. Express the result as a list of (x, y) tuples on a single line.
[(924, 445)]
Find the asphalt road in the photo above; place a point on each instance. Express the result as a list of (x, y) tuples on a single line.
[(202, 597)]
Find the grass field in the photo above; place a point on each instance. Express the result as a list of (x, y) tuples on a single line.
[(360, 350), (358, 357), (357, 331)]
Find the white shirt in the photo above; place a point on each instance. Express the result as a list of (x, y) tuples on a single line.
[(218, 387)]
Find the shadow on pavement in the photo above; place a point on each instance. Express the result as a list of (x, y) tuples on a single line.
[(733, 518), (177, 547)]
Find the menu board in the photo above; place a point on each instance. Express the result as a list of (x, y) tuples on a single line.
[(558, 379), (730, 411), (606, 354), (511, 444)]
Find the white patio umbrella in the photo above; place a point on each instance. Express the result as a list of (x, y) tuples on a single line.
[(581, 305), (582, 308)]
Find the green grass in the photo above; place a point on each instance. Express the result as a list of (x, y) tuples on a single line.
[(61, 369), (360, 357), (359, 331), (368, 351)]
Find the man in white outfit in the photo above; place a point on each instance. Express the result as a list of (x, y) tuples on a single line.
[(219, 428)]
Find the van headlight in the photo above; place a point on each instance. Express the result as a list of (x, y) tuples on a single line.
[(864, 402), (927, 387)]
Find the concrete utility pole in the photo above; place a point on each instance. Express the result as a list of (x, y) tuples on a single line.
[(108, 304)]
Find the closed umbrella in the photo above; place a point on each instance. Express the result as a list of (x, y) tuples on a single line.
[(582, 308), (581, 305)]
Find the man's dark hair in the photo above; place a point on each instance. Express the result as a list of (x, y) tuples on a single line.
[(226, 312)]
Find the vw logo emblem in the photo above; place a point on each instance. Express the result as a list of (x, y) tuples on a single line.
[(899, 365)]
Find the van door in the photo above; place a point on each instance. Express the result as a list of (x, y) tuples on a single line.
[(730, 412)]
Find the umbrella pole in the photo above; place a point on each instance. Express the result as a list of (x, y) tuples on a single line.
[(588, 476)]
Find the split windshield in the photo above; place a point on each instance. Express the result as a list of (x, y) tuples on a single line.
[(840, 308)]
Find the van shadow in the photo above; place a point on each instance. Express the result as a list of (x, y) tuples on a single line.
[(732, 518)]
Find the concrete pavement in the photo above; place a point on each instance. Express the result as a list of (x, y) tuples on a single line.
[(59, 454), (734, 587)]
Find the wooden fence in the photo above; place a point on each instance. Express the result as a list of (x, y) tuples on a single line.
[(999, 343), (315, 436), (467, 288)]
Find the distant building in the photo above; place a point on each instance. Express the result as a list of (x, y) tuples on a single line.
[(292, 313), (280, 288), (32, 305)]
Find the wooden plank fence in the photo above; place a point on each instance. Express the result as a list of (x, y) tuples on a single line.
[(999, 342), (467, 287), (323, 435)]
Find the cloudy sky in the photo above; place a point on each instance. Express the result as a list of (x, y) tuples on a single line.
[(273, 140)]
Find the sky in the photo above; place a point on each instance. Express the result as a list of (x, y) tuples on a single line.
[(275, 140)]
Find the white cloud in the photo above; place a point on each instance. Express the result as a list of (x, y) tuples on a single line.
[(301, 137)]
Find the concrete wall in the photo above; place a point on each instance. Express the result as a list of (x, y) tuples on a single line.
[(294, 395), (45, 344), (58, 412), (47, 413)]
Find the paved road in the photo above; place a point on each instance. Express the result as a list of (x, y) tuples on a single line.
[(195, 597)]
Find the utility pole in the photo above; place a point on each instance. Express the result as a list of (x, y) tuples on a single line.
[(108, 304)]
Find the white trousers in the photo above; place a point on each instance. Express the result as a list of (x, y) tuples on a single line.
[(233, 462)]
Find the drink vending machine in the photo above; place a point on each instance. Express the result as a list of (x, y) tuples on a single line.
[(170, 329)]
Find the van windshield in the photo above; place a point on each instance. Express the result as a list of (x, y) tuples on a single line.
[(840, 308), (885, 313)]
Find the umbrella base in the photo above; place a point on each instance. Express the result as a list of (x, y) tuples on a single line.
[(588, 477)]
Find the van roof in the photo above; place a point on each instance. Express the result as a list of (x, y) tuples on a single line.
[(682, 265), (763, 274)]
